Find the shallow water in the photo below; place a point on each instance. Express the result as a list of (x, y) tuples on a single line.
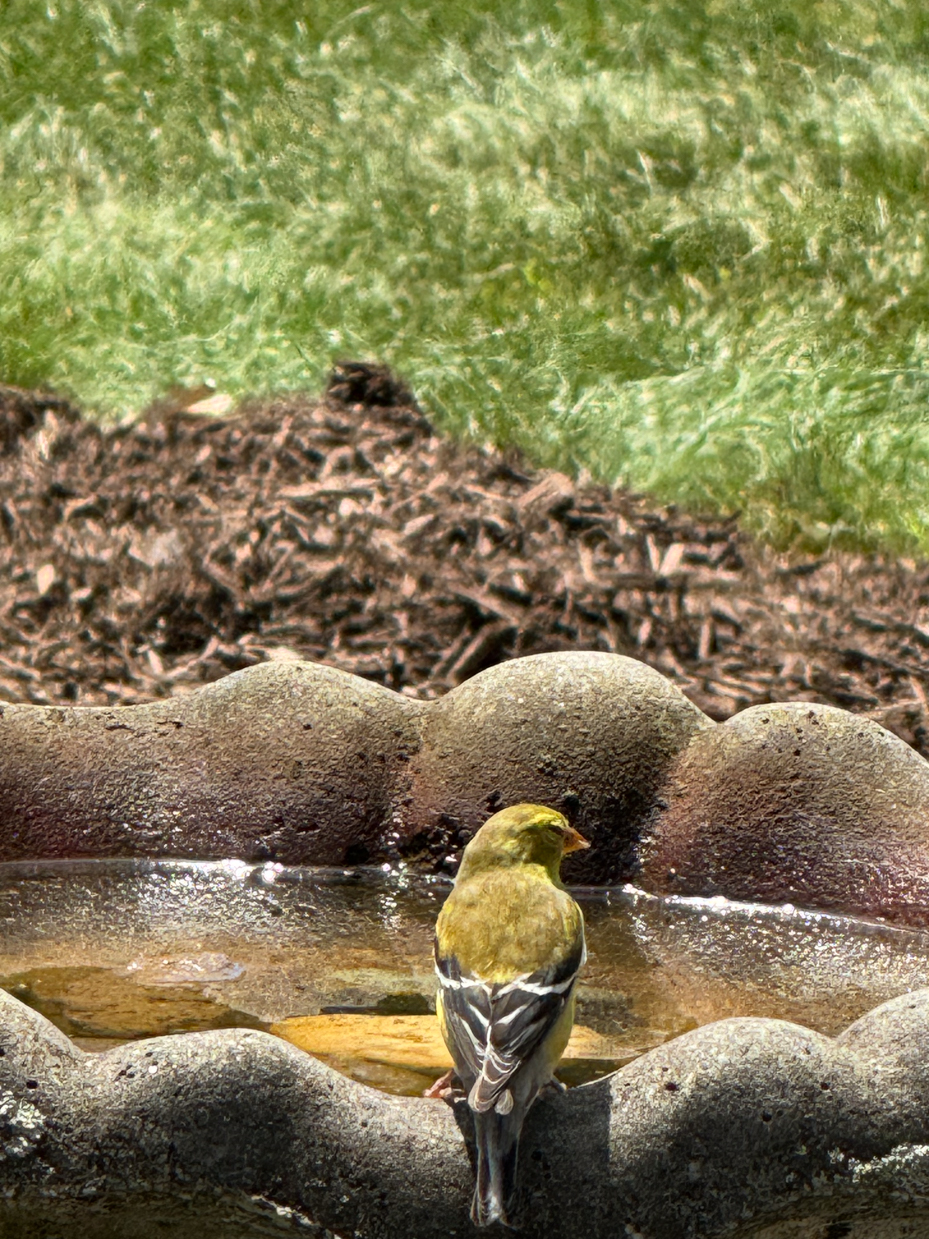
[(114, 950)]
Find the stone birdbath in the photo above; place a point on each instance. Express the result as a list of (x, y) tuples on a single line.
[(776, 864)]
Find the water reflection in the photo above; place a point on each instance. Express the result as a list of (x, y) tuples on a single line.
[(119, 949)]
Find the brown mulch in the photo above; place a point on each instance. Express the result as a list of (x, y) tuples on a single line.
[(144, 560)]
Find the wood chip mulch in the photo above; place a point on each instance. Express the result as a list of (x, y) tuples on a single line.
[(144, 560)]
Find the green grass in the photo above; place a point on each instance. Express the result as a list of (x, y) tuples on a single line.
[(682, 244)]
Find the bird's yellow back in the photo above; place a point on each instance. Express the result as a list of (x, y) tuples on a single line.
[(501, 924)]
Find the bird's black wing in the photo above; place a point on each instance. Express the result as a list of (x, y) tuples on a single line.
[(466, 1004), (496, 1028)]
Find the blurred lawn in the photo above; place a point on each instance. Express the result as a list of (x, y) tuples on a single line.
[(682, 244)]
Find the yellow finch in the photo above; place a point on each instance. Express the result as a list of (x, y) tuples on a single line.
[(509, 942)]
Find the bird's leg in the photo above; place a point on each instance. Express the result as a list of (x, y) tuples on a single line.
[(446, 1088)]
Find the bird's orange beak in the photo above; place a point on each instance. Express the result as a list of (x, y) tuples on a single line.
[(573, 841)]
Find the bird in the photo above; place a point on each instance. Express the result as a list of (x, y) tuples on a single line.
[(509, 944)]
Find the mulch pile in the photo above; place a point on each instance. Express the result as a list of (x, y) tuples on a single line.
[(144, 560)]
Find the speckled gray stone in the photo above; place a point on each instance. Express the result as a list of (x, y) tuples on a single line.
[(797, 803), (294, 762), (303, 764), (743, 1128), (590, 734)]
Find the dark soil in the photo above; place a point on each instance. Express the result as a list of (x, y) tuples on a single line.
[(144, 560)]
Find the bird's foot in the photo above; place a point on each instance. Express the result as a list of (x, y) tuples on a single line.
[(446, 1088), (552, 1088)]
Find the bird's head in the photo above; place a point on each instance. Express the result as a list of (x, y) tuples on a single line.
[(523, 834)]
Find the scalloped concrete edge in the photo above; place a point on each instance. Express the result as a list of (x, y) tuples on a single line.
[(304, 764), (301, 763), (747, 1127)]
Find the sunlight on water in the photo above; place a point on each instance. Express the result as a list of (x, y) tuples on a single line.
[(115, 950)]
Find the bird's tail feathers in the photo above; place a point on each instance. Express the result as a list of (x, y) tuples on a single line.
[(497, 1150), (486, 1096)]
